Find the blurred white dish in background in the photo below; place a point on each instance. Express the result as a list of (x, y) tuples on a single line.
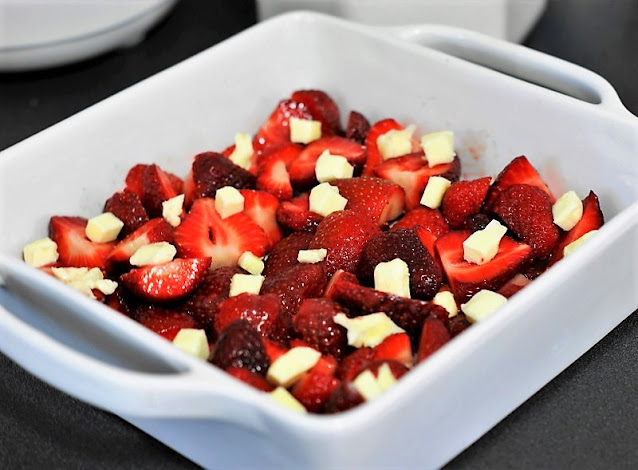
[(504, 19), (36, 34)]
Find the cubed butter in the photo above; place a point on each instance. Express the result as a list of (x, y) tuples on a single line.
[(251, 263), (395, 143), (482, 246), (285, 398), (569, 249), (245, 283), (85, 280), (228, 201), (40, 252), (290, 366), (446, 300), (367, 385), (393, 277), (332, 167), (438, 147), (193, 341), (325, 199), (243, 151), (312, 256), (482, 305), (172, 210), (103, 228), (367, 330), (434, 191), (567, 210), (385, 377), (304, 131), (153, 253)]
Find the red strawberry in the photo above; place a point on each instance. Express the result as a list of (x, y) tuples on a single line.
[(458, 324), (314, 324), (396, 347), (284, 254), (337, 278), (374, 157), (203, 233), (295, 215), (74, 248), (163, 321), (326, 365), (122, 301), (135, 180), (127, 207), (273, 174), (375, 198), (250, 378), (512, 286), (302, 169), (343, 398), (354, 362), (343, 234), (357, 128), (476, 222), (240, 345), (433, 336), (466, 279), (302, 281), (412, 173), (156, 188), (464, 199), (518, 171), (322, 108), (153, 231), (228, 151), (261, 311), (431, 219), (276, 129), (165, 282), (274, 349), (262, 207), (314, 390), (527, 211)]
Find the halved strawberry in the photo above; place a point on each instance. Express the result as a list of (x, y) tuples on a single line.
[(345, 397), (336, 279), (162, 320), (465, 278), (261, 311), (396, 347), (240, 345), (153, 231), (358, 127), (326, 364), (376, 198), (135, 180), (127, 206), (302, 169), (429, 224), (284, 253), (314, 325), (272, 174), (156, 188), (250, 378), (458, 324), (314, 390), (300, 282), (512, 286), (357, 360), (166, 282), (276, 129), (412, 173), (295, 215), (373, 157), (203, 233), (433, 336), (322, 108), (74, 248), (262, 207), (464, 199), (274, 349)]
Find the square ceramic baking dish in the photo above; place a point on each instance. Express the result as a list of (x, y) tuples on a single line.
[(500, 99)]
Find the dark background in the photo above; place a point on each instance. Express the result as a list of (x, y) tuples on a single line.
[(585, 418)]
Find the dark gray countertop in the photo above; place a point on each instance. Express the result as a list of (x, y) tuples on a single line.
[(587, 417)]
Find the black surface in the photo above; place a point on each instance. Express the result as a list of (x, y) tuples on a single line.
[(586, 418)]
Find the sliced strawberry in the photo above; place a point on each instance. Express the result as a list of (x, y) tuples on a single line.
[(166, 282), (276, 129), (433, 336), (122, 301), (458, 324), (354, 362), (396, 347), (284, 254), (250, 378), (74, 248), (476, 222), (135, 179), (431, 219), (336, 279), (465, 278), (343, 398), (314, 325), (300, 282), (374, 157), (322, 108), (412, 173), (240, 345), (378, 199), (228, 151), (302, 169), (274, 349), (153, 231), (314, 390), (262, 207), (326, 365), (127, 206), (203, 233), (156, 188), (163, 321), (512, 286), (272, 175), (261, 311), (357, 128), (464, 199), (295, 215)]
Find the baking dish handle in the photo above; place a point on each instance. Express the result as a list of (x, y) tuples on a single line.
[(515, 60)]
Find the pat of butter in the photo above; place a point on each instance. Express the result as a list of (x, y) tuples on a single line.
[(304, 131), (243, 151), (438, 147), (192, 341), (482, 246), (325, 199), (569, 249), (385, 377), (103, 228), (228, 201), (393, 277), (446, 300), (172, 210), (40, 252), (245, 283), (567, 210), (367, 330), (434, 191), (312, 256), (85, 280), (482, 305), (285, 398), (153, 253), (367, 385), (332, 167), (396, 143), (290, 366), (251, 263)]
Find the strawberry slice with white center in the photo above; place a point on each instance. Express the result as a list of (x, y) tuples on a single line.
[(262, 207), (379, 199), (153, 231), (374, 157), (276, 130), (74, 248), (203, 233), (272, 174)]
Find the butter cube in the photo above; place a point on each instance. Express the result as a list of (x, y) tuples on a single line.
[(40, 252), (312, 256), (304, 131), (245, 283), (385, 377), (434, 191), (290, 366), (228, 201), (569, 249), (192, 341), (332, 167), (172, 210), (367, 385), (482, 245), (103, 228), (395, 143), (153, 253), (482, 305), (106, 286), (243, 151), (85, 280), (438, 147), (284, 397), (446, 300), (251, 263), (325, 199), (367, 330), (567, 210), (393, 277)]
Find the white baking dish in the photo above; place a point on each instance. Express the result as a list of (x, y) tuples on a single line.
[(583, 141)]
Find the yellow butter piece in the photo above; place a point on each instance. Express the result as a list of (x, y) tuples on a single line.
[(228, 201), (385, 377), (367, 385), (153, 253), (192, 341), (85, 280), (434, 191), (312, 256), (172, 210), (393, 277), (325, 199), (482, 246), (332, 167), (290, 366), (243, 151), (438, 147), (251, 263), (304, 131), (569, 249), (567, 210), (367, 330), (395, 143), (285, 398), (245, 283), (446, 300), (103, 228), (40, 252), (482, 304)]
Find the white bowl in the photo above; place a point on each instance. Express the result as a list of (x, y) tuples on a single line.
[(580, 139)]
